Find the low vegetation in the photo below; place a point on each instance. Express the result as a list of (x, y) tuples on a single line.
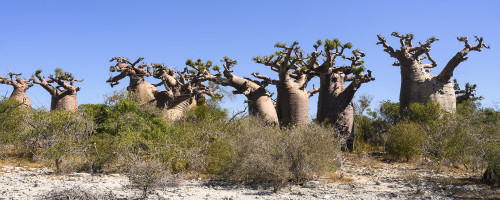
[(468, 139), (123, 135)]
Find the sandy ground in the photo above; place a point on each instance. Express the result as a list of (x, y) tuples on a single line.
[(359, 178)]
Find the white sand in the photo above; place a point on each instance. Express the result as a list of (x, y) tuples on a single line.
[(374, 181)]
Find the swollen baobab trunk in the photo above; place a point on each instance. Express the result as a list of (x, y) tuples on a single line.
[(259, 100), (63, 96), (20, 86), (183, 91), (335, 102), (293, 99), (138, 86), (417, 84)]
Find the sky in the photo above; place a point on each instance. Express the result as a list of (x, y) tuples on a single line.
[(82, 36)]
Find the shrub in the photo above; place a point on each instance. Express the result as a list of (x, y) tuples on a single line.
[(424, 113), (492, 174), (57, 135), (405, 140), (271, 157), (12, 116), (147, 175)]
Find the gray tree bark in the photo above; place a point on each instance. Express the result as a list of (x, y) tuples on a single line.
[(138, 86), (335, 102), (183, 91), (293, 98), (63, 96), (20, 86), (417, 84), (259, 99)]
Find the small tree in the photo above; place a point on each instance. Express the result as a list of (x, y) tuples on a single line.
[(64, 94), (469, 93), (417, 84), (20, 86), (136, 73)]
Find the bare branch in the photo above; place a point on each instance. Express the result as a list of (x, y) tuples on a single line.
[(447, 72), (266, 79), (313, 91), (387, 47)]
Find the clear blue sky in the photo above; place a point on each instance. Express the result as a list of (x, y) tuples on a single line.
[(81, 37)]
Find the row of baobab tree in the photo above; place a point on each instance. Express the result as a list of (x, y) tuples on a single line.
[(185, 88)]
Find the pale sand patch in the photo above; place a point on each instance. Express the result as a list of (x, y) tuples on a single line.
[(357, 179)]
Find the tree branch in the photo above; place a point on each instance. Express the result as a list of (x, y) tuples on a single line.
[(447, 72), (387, 47)]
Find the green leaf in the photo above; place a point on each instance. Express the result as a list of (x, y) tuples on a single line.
[(348, 45)]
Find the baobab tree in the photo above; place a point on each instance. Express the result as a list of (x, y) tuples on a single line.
[(260, 103), (138, 86), (417, 84), (20, 86), (183, 91), (293, 98), (335, 102), (469, 93), (63, 94)]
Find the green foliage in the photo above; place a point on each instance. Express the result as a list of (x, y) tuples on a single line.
[(424, 113), (206, 112), (56, 135), (406, 140), (348, 45), (431, 40), (357, 69), (461, 39), (388, 112), (492, 173), (468, 139)]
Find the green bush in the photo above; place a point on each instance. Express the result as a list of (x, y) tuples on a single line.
[(57, 135), (424, 113), (406, 140), (12, 125), (492, 173)]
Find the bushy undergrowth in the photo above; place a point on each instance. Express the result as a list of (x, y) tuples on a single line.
[(271, 156), (116, 135), (468, 138)]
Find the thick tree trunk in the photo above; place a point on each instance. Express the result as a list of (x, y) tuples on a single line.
[(293, 104), (261, 105), (19, 94), (419, 86), (65, 101), (336, 109), (178, 108), (143, 90)]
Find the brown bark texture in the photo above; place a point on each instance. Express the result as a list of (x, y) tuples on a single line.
[(293, 98), (260, 103), (63, 93), (335, 101), (417, 84), (20, 86), (138, 86)]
